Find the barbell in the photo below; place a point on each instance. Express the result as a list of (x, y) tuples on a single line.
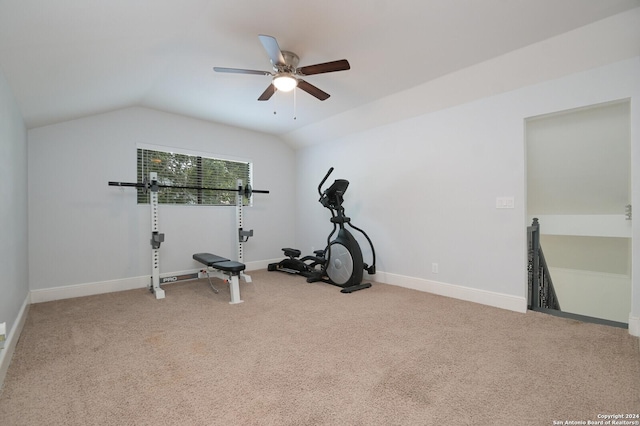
[(147, 186)]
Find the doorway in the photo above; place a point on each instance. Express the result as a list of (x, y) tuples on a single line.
[(579, 188)]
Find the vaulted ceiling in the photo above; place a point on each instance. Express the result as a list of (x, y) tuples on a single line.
[(67, 59)]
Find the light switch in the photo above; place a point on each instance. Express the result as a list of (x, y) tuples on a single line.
[(505, 203)]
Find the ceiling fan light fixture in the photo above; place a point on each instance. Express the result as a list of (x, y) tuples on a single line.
[(285, 82)]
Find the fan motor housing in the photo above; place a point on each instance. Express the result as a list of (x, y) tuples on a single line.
[(291, 61)]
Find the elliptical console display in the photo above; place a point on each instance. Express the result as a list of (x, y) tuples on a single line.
[(340, 263)]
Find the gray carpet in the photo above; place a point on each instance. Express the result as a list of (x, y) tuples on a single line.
[(304, 354)]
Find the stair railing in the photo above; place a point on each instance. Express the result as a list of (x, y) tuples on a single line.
[(541, 291)]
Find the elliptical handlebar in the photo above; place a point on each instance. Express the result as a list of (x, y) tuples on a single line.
[(332, 199), (324, 180)]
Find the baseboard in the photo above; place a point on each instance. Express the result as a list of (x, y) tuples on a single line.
[(484, 297), (12, 340), (260, 264), (88, 289), (634, 326)]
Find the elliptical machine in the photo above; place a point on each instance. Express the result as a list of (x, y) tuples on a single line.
[(340, 263)]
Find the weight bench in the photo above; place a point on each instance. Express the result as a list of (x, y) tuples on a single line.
[(224, 269)]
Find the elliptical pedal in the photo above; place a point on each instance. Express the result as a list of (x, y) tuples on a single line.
[(289, 270)]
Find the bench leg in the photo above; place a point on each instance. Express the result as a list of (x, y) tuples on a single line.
[(155, 284), (234, 288)]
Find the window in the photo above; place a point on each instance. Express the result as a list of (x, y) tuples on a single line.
[(176, 169)]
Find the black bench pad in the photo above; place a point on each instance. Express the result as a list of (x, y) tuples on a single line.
[(229, 266), (217, 262), (209, 259)]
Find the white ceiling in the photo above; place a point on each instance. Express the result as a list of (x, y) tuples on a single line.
[(66, 59)]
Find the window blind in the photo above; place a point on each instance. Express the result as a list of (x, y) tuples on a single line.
[(177, 169)]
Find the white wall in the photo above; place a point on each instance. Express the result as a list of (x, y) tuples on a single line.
[(14, 287), (425, 188), (594, 294), (578, 162), (591, 274), (83, 231)]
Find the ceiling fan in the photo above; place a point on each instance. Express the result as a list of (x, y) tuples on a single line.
[(286, 75)]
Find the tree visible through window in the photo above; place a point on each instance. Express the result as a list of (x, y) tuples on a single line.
[(190, 170)]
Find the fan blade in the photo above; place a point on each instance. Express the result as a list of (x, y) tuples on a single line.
[(266, 95), (241, 71), (273, 50), (312, 90), (341, 65)]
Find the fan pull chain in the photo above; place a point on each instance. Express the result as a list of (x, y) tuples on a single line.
[(275, 102), (295, 91)]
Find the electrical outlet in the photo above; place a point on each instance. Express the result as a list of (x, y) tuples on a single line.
[(434, 268)]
